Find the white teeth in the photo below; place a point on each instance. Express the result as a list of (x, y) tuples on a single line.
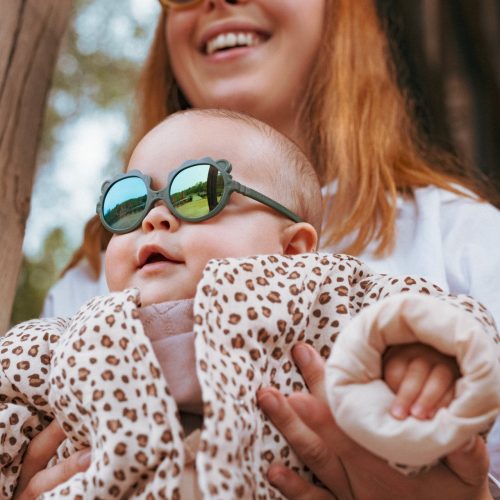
[(229, 40)]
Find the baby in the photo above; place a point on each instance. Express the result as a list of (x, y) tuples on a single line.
[(194, 324)]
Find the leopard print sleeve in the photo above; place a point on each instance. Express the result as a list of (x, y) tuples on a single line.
[(25, 354), (109, 394), (376, 287), (249, 313)]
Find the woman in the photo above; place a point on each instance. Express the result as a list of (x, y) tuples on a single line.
[(320, 72)]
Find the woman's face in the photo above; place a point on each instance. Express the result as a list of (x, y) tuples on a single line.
[(253, 56)]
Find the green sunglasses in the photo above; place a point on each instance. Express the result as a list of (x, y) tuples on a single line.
[(196, 191)]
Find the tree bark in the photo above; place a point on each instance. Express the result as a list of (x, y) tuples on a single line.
[(30, 34)]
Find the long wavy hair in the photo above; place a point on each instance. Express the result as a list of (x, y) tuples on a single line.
[(359, 128)]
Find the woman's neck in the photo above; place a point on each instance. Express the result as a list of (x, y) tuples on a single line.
[(290, 126)]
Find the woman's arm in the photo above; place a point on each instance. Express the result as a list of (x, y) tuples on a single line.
[(346, 469), (35, 479)]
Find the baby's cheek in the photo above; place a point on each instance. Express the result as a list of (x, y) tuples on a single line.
[(116, 264)]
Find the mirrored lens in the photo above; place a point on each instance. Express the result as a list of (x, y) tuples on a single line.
[(196, 191), (124, 203)]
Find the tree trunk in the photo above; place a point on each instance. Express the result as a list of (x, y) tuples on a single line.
[(30, 34)]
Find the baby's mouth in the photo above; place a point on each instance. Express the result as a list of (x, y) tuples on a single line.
[(155, 257), (152, 254), (233, 39)]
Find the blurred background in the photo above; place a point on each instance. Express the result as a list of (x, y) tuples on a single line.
[(85, 135), (447, 60)]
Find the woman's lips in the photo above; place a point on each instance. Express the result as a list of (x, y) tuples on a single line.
[(231, 40), (230, 35)]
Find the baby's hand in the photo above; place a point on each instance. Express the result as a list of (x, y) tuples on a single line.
[(422, 378)]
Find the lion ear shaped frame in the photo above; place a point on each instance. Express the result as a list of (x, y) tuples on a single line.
[(195, 191)]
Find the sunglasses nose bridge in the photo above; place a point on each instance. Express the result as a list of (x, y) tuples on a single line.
[(161, 195)]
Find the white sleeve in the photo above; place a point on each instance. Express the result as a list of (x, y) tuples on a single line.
[(471, 240), (75, 288)]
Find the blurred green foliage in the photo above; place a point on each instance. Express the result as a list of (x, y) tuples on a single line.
[(96, 73), (37, 275), (97, 67)]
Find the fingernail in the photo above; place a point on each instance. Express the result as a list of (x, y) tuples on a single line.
[(84, 459), (277, 480), (399, 412), (276, 476), (268, 402), (418, 411), (302, 355)]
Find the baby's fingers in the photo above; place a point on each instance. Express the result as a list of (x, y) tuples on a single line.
[(411, 385), (438, 384), (394, 372), (444, 402)]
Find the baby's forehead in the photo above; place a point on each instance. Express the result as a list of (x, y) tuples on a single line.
[(243, 169), (168, 146)]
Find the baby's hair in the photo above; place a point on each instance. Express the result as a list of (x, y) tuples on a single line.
[(294, 181)]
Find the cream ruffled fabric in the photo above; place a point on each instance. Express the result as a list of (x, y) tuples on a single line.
[(360, 400)]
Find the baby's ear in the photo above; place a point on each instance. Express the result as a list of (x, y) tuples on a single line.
[(300, 237)]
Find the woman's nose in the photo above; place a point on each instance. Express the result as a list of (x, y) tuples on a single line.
[(160, 218)]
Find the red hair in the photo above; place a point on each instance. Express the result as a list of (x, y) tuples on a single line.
[(358, 125)]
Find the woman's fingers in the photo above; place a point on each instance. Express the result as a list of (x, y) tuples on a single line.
[(34, 478), (41, 449), (344, 467), (46, 479), (302, 439), (312, 368), (294, 487), (300, 418), (470, 463)]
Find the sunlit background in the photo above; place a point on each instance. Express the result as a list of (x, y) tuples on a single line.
[(85, 134)]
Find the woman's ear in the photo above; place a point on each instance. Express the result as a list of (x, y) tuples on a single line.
[(300, 237)]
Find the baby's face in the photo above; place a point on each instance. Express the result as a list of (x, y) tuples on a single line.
[(165, 256)]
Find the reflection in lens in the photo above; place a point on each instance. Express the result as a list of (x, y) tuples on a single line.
[(124, 203), (196, 191)]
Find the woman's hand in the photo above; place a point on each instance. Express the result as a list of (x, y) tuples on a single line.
[(35, 479), (347, 470)]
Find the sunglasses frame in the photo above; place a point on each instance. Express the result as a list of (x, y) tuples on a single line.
[(170, 4), (230, 187)]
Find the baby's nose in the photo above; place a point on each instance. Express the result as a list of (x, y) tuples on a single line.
[(160, 218)]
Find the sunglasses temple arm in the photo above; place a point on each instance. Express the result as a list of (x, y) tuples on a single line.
[(255, 195)]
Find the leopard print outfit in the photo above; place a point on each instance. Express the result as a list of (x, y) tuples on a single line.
[(97, 374)]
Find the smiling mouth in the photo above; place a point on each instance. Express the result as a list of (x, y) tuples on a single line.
[(232, 40)]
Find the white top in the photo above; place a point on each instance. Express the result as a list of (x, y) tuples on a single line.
[(73, 290), (448, 239)]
